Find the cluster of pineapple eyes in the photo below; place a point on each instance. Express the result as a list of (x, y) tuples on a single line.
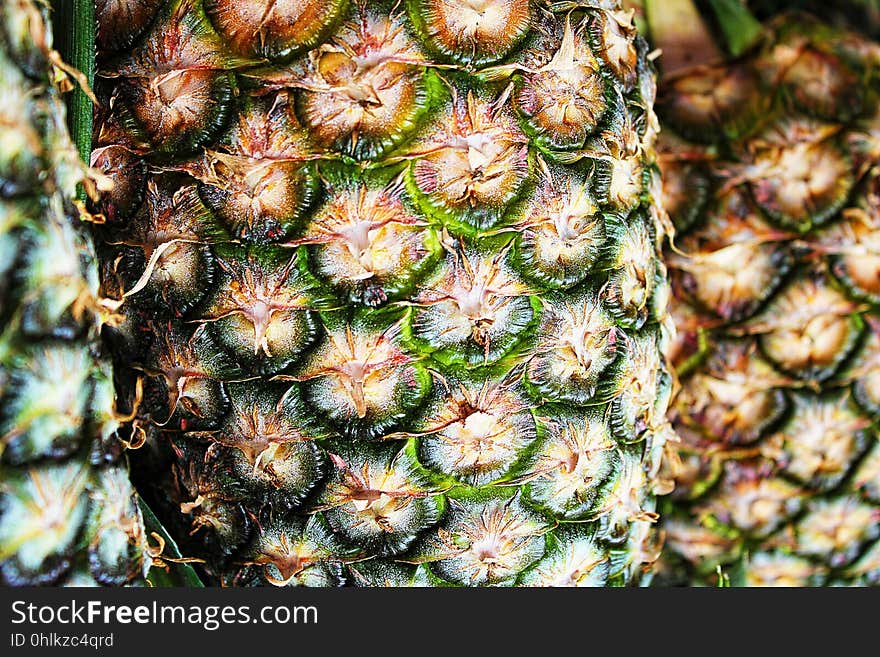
[(389, 197)]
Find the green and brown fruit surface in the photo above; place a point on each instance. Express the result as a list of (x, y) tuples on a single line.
[(68, 514), (770, 176), (391, 286)]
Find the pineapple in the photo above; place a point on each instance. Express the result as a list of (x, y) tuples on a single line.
[(770, 177), (68, 513), (391, 286)]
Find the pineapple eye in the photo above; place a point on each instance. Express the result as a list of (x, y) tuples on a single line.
[(733, 264), (484, 540), (177, 111), (640, 385), (472, 166), (183, 381), (626, 503), (781, 569), (262, 310), (259, 180), (853, 245), (563, 100), (801, 177), (174, 89), (822, 440), (809, 329), (476, 433), (622, 181), (377, 498), (294, 551), (366, 91), (685, 190), (165, 260), (46, 400), (120, 22), (633, 274), (369, 245), (757, 505), (129, 175), (362, 380), (268, 443), (562, 236), (573, 558), (615, 31), (115, 541), (474, 309), (572, 466), (471, 32), (818, 82), (711, 103), (836, 530), (733, 397), (578, 342), (43, 510), (52, 269), (274, 29)]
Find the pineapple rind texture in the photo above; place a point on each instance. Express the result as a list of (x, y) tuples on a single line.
[(68, 513), (774, 298), (391, 287)]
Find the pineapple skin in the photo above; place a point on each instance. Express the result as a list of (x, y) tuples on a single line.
[(774, 196), (392, 287), (68, 513)]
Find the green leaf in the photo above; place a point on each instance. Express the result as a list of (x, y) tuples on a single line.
[(178, 574), (74, 35), (740, 28), (723, 578)]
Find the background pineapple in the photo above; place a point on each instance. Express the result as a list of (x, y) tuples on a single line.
[(391, 285), (68, 514), (770, 176)]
